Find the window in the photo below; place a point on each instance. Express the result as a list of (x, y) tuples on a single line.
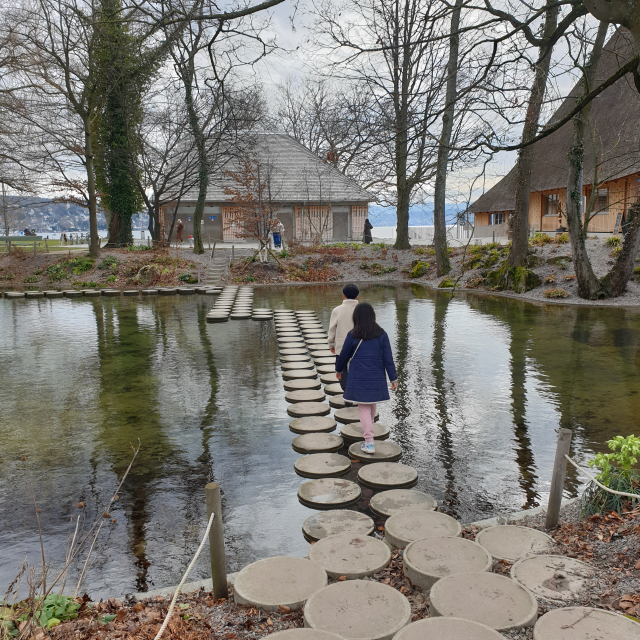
[(498, 218), (552, 204), (602, 201)]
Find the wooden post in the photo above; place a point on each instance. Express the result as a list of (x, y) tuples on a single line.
[(557, 479), (46, 246), (233, 252), (34, 248), (198, 273), (216, 541)]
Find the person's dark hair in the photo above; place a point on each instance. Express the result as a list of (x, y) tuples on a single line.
[(351, 291), (364, 323)]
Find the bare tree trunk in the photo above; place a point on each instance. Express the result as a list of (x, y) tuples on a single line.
[(443, 266), (589, 286), (94, 246), (403, 192), (520, 225)]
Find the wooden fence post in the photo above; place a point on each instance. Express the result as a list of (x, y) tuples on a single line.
[(557, 479), (216, 541)]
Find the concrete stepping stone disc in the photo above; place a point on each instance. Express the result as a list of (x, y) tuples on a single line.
[(235, 315), (322, 465), (16, 294), (53, 294), (36, 294), (510, 542), (296, 366), (217, 318), (447, 629), (280, 581), (315, 340), (115, 292), (287, 339), (333, 389), (352, 431), (186, 292), (258, 317), (329, 493), (298, 351), (167, 292), (317, 443), (295, 358), (149, 292), (322, 353), (585, 623), (326, 360), (303, 634), (499, 602), (350, 414), (312, 424), (429, 559), (329, 523), (388, 503), (385, 452), (350, 554), (304, 409), (553, 577), (290, 345), (329, 378), (337, 402), (305, 395), (387, 475), (314, 333), (297, 385), (402, 528), (72, 294), (326, 368), (288, 334), (132, 292), (293, 375), (358, 610)]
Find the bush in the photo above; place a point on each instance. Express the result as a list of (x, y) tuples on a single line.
[(563, 238), (617, 472), (616, 252), (80, 265), (446, 284), (139, 247), (549, 279), (188, 278), (31, 279), (284, 254), (109, 261), (420, 251), (85, 284), (111, 279), (614, 241), (419, 269), (249, 278), (555, 293), (540, 239), (636, 270), (56, 271), (563, 264)]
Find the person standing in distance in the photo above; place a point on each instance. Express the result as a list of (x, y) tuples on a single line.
[(341, 323), (366, 355)]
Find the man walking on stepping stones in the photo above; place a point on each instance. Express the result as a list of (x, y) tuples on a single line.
[(366, 355)]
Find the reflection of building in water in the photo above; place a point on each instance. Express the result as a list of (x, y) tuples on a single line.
[(611, 174)]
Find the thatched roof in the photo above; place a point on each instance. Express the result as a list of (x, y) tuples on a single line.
[(615, 118)]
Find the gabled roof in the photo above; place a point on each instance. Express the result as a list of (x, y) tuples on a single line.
[(297, 175), (615, 120)]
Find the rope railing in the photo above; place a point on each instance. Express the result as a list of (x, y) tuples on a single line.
[(635, 496)]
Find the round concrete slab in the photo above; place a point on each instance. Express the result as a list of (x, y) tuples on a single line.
[(37, 294), (313, 347), (296, 366), (322, 465), (321, 353), (328, 360), (289, 339), (585, 623), (72, 293), (259, 317), (385, 452), (91, 293), (16, 294), (186, 292), (337, 402), (350, 414), (296, 385), (358, 609), (404, 527), (288, 334), (293, 352), (328, 378), (312, 424), (295, 358), (296, 375), (333, 389), (304, 409), (447, 629), (317, 443), (352, 431), (429, 559), (553, 577), (304, 634), (352, 555), (134, 292), (329, 523), (388, 503), (165, 292), (499, 602), (305, 395), (510, 542), (291, 345), (53, 294), (235, 315), (280, 581), (329, 493), (387, 475), (217, 318), (111, 293)]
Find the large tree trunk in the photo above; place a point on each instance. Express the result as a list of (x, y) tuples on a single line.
[(589, 286), (520, 223), (403, 190), (94, 246), (443, 266), (615, 282)]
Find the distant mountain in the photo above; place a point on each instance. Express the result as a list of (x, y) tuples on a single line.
[(419, 215), (43, 215)]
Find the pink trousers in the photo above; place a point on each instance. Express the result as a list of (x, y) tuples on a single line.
[(367, 414)]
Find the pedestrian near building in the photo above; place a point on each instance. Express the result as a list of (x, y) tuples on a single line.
[(366, 355), (341, 323), (367, 231), (179, 230)]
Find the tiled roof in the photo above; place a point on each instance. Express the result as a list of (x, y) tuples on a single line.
[(297, 175)]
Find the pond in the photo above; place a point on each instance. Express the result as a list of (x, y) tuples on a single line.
[(484, 384)]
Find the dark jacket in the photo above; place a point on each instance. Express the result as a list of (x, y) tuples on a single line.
[(367, 381), (367, 231)]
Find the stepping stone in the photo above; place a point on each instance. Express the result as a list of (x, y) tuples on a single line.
[(304, 409), (385, 452), (297, 385), (499, 602), (281, 581), (295, 358), (402, 528), (288, 334), (36, 294), (71, 294), (352, 432), (166, 292), (337, 402), (201, 289), (296, 366), (330, 360), (149, 292), (358, 610), (211, 319), (287, 339), (350, 554), (115, 292), (388, 503), (387, 475), (326, 368), (329, 378), (322, 465), (303, 634), (322, 353), (329, 493), (554, 577), (317, 443), (186, 292), (585, 623), (314, 333), (312, 424), (290, 345), (296, 375), (293, 352), (53, 294), (329, 523), (256, 317), (447, 629), (236, 315), (130, 292), (428, 560), (89, 293), (350, 414), (510, 542), (333, 389), (16, 294), (305, 395)]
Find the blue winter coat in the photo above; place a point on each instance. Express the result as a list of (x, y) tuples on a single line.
[(367, 381)]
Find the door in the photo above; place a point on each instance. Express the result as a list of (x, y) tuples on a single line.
[(231, 224), (359, 214)]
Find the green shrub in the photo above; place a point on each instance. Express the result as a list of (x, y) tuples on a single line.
[(80, 265), (378, 245), (57, 271), (562, 238), (188, 278), (284, 254), (614, 241), (85, 284), (111, 278), (540, 239), (139, 247), (555, 293), (420, 251), (365, 266), (109, 261), (447, 283), (476, 249), (31, 279), (617, 472), (249, 278), (636, 270), (616, 252), (419, 269), (492, 258), (563, 264)]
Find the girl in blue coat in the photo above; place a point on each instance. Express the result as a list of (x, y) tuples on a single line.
[(366, 354)]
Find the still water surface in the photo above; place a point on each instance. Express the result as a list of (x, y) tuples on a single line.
[(484, 384)]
